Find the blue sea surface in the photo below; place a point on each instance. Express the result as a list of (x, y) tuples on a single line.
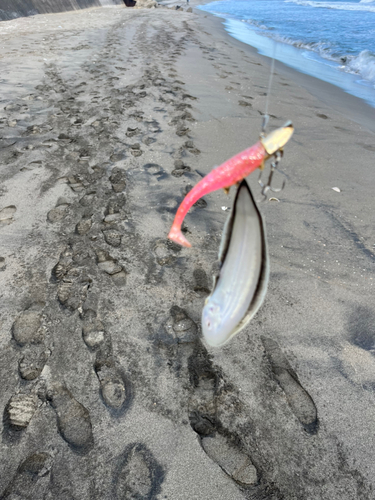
[(333, 40)]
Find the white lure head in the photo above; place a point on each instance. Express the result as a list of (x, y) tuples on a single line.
[(276, 140)]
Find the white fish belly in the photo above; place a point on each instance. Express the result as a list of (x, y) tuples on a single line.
[(240, 273)]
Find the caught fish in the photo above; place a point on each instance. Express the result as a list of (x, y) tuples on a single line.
[(231, 172), (241, 285)]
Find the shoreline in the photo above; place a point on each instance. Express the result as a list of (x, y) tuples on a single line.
[(349, 105), (293, 57)]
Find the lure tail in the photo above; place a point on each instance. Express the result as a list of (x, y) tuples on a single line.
[(175, 235)]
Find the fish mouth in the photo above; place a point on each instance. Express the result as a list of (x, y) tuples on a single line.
[(277, 139)]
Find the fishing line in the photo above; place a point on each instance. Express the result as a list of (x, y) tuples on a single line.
[(277, 156), (266, 115)]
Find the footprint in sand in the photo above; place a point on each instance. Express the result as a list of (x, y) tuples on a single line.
[(73, 419), (155, 170), (138, 475), (190, 148), (76, 184), (32, 165), (115, 388), (244, 103), (132, 131), (148, 140), (298, 398), (114, 208), (220, 445), (182, 130), (207, 384), (112, 237), (166, 252), (93, 331), (181, 117), (201, 282), (135, 149), (84, 225), (32, 362), (17, 415), (73, 284), (27, 328), (6, 215), (110, 266), (28, 332), (181, 329), (231, 459), (31, 478), (59, 212), (357, 360), (118, 179), (180, 168), (118, 156)]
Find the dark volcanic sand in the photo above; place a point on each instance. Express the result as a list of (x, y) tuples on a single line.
[(107, 116)]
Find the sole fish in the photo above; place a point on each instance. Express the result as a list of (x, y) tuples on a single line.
[(241, 284)]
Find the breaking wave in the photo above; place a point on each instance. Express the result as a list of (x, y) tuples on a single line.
[(363, 65), (363, 5)]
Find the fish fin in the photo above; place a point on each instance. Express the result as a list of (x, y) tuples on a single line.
[(226, 190)]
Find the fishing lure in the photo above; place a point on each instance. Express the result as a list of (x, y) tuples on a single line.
[(231, 172), (241, 284)]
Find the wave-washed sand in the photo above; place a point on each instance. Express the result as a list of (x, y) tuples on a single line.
[(107, 117)]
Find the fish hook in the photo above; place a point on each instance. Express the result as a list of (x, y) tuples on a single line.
[(266, 187)]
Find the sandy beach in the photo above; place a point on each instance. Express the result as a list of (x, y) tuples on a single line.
[(108, 116)]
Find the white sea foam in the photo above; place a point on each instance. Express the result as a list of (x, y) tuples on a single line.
[(363, 65), (364, 5), (324, 49)]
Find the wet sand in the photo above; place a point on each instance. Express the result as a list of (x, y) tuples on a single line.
[(107, 117)]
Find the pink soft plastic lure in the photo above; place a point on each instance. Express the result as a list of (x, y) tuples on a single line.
[(231, 172)]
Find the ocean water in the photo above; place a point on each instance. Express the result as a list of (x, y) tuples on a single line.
[(333, 40)]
